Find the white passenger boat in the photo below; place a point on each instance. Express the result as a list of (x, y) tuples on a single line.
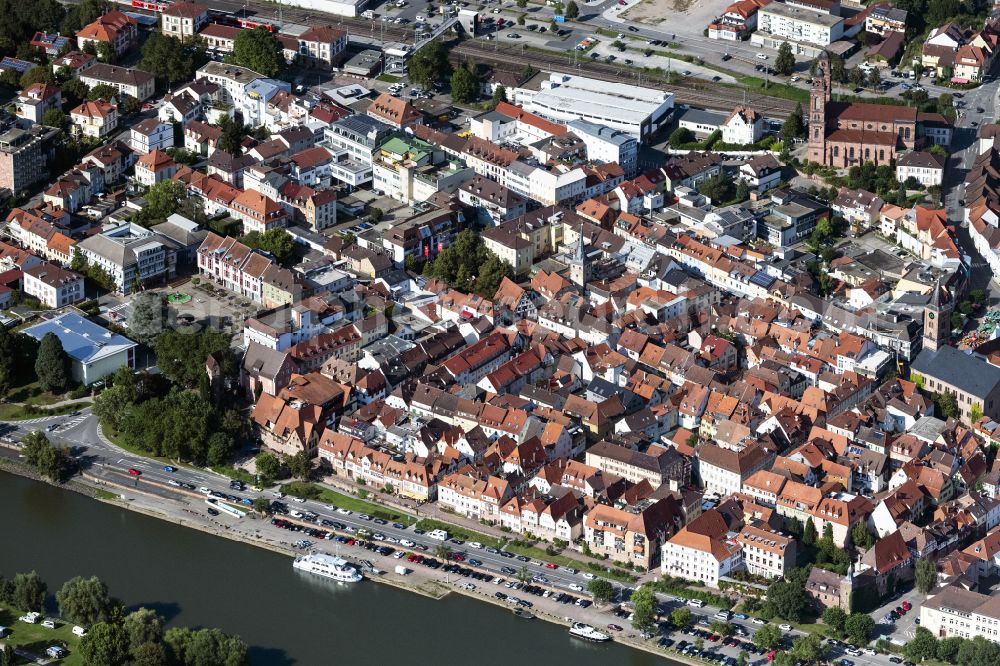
[(328, 566), (588, 633)]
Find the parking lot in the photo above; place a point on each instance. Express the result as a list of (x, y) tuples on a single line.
[(899, 626)]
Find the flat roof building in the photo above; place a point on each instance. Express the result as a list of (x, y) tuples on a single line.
[(779, 22), (631, 109), (94, 351)]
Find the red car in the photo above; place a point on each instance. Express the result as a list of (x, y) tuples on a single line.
[(350, 542), (549, 565), (770, 655), (134, 472), (458, 557), (907, 605)]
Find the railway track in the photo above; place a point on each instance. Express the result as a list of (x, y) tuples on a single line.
[(712, 96), (510, 57)]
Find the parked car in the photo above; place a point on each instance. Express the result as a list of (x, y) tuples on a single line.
[(55, 651)]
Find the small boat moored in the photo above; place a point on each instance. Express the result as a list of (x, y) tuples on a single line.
[(587, 633), (524, 614)]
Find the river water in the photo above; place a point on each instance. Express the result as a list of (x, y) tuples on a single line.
[(196, 579)]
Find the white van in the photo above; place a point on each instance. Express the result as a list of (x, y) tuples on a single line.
[(440, 535), (723, 615), (697, 603), (79, 631)]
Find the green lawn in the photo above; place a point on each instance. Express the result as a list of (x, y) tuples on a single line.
[(457, 532), (773, 89), (534, 552), (388, 78), (33, 395), (105, 495), (9, 412), (36, 638), (340, 500), (234, 473)]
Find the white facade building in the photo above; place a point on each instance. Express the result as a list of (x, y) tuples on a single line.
[(55, 287), (605, 144), (563, 98), (94, 352), (797, 24), (704, 550)]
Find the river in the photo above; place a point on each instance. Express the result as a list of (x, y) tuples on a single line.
[(196, 579)]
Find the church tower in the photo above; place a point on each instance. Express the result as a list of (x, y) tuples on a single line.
[(579, 265), (818, 98), (937, 317)]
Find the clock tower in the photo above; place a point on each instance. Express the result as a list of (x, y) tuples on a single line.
[(819, 97), (937, 317)]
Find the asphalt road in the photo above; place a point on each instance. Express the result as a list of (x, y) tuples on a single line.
[(101, 458)]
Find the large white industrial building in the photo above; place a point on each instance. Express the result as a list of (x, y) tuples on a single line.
[(563, 98)]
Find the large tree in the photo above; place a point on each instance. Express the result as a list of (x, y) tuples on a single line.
[(767, 637), (268, 468), (861, 536), (835, 618), (809, 649), (85, 601), (29, 592), (54, 118), (717, 188), (644, 608), (858, 628), (572, 10), (148, 318), (181, 354), (17, 357), (276, 242), (52, 365), (681, 617), (784, 64), (467, 265), (101, 91), (794, 126), (947, 649), (259, 50), (786, 600), (464, 86), (162, 200), (922, 646), (926, 575), (106, 643), (143, 626), (429, 65), (50, 461), (232, 137), (205, 646), (167, 58)]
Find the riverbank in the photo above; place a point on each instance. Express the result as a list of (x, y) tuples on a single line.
[(421, 581)]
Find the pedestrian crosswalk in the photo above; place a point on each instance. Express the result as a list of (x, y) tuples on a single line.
[(44, 419)]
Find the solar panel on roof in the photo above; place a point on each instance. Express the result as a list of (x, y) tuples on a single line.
[(762, 279), (20, 66)]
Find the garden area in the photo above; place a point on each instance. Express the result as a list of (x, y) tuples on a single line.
[(34, 376)]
